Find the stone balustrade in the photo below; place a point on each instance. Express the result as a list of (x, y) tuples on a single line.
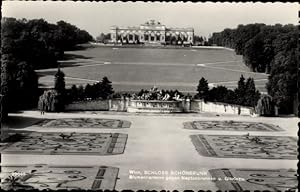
[(159, 106)]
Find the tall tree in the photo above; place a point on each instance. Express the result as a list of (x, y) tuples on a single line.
[(251, 94), (74, 93), (59, 84), (254, 54), (243, 34), (81, 93), (240, 91), (203, 89), (88, 91), (106, 88), (60, 88), (19, 84), (282, 84)]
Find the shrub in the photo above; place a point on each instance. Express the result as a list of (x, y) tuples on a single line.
[(265, 106), (48, 101)]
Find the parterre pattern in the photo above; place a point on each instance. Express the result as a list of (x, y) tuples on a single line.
[(83, 123), (58, 177), (68, 143), (255, 179), (245, 146), (231, 126)]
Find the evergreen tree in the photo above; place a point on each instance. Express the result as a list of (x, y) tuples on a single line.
[(106, 88), (60, 88), (203, 89), (230, 97), (28, 85), (97, 89), (81, 93), (251, 94), (218, 94), (240, 91), (59, 84), (88, 91), (74, 93)]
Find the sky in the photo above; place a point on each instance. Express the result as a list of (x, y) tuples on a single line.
[(205, 18)]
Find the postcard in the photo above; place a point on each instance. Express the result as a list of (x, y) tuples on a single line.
[(149, 96)]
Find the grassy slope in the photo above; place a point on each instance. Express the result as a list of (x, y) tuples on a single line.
[(133, 68)]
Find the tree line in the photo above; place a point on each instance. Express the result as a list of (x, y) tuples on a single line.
[(38, 42), (245, 94), (27, 45), (100, 90), (54, 100), (267, 48)]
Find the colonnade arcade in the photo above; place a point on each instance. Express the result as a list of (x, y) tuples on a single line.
[(152, 32), (152, 36)]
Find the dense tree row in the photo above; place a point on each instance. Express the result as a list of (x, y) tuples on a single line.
[(245, 94), (38, 42), (270, 49), (54, 100), (258, 43), (27, 45), (99, 90)]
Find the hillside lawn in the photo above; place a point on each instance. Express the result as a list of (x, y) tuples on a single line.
[(132, 69)]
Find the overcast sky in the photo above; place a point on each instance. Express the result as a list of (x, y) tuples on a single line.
[(205, 18)]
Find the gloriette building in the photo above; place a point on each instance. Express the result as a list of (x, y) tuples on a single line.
[(152, 32)]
